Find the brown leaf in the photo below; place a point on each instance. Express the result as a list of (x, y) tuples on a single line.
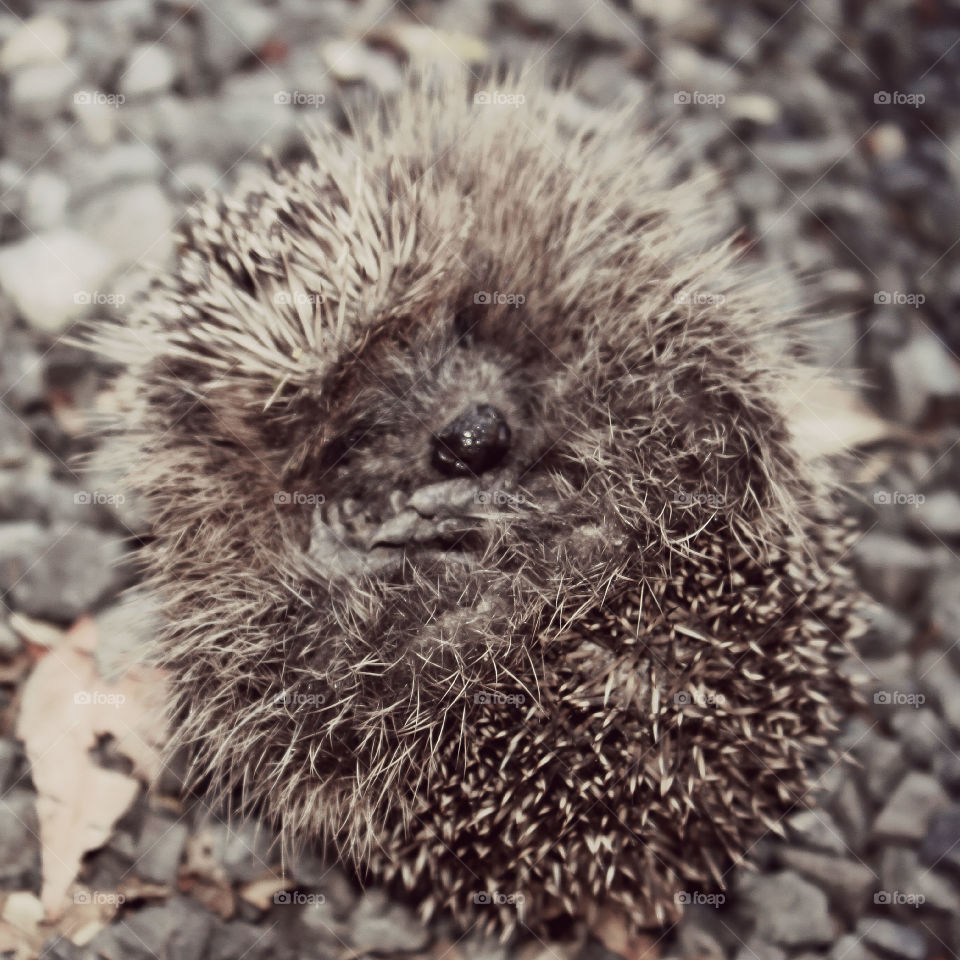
[(65, 707), (827, 419), (260, 892), (203, 877)]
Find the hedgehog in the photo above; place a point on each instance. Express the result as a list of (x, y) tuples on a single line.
[(486, 555)]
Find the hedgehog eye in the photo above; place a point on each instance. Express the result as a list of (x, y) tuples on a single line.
[(464, 322), (337, 449)]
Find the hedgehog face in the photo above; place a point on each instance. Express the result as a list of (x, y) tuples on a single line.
[(454, 463)]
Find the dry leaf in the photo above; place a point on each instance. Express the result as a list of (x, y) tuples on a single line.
[(826, 419), (37, 632), (423, 44), (18, 944), (87, 914), (66, 706), (203, 877), (260, 892)]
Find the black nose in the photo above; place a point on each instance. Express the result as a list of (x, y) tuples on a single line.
[(475, 441)]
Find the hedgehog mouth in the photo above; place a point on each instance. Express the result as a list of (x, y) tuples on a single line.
[(442, 521)]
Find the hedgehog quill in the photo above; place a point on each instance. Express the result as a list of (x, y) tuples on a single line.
[(484, 550)]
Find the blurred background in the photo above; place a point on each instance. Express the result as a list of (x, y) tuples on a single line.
[(835, 127)]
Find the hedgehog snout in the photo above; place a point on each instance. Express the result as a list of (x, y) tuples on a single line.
[(475, 441)]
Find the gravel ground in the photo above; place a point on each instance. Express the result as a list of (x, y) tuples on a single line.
[(836, 127)]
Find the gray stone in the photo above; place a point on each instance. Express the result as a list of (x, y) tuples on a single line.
[(946, 766), (894, 570), (49, 276), (817, 830), (921, 371), (10, 646), (378, 926), (242, 848), (943, 599), (850, 809), (922, 734), (41, 92), (19, 843), (243, 941), (14, 438), (233, 32), (887, 632), (106, 170), (884, 764), (940, 846), (158, 852), (178, 930), (21, 369), (755, 949), (938, 514), (850, 947), (799, 159), (315, 873), (892, 939), (192, 180), (60, 948), (908, 812), (942, 683), (124, 631), (898, 869), (10, 757), (57, 574), (847, 883), (219, 130), (787, 910)]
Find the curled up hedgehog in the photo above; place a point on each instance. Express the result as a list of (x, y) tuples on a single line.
[(485, 553)]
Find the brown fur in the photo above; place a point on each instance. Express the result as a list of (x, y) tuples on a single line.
[(602, 675)]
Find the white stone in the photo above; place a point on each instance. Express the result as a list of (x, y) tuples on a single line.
[(150, 69), (45, 201), (36, 41), (134, 222), (51, 277)]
